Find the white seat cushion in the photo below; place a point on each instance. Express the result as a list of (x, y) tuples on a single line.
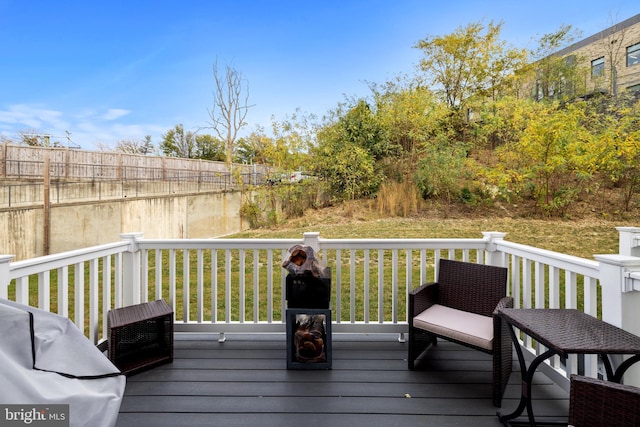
[(459, 325)]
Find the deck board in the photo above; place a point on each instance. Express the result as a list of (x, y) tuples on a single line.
[(244, 382)]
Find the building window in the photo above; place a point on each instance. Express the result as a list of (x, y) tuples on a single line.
[(597, 67), (633, 55), (634, 88)]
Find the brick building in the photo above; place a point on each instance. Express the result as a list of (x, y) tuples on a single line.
[(612, 58)]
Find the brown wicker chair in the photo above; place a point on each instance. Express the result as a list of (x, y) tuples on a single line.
[(463, 291), (598, 403)]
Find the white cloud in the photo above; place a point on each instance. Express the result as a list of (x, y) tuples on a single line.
[(33, 117), (88, 127), (114, 113)]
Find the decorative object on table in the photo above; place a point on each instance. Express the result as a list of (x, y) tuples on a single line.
[(302, 261)]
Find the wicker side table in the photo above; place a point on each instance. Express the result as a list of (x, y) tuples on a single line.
[(140, 336)]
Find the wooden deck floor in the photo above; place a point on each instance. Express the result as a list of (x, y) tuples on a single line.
[(244, 382)]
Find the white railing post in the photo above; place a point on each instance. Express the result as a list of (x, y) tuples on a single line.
[(4, 275), (312, 239), (619, 301), (131, 270), (492, 256), (629, 241)]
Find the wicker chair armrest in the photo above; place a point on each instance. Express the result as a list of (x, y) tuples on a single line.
[(422, 298), (505, 302)]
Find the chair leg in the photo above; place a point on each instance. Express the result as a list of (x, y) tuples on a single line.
[(502, 363), (419, 342)]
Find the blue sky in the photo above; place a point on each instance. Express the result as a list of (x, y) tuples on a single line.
[(112, 70)]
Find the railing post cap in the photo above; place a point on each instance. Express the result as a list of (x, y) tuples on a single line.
[(6, 258), (131, 236), (618, 260), (628, 229), (493, 235), (133, 240)]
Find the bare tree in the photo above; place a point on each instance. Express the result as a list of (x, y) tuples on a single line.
[(613, 44), (230, 106)]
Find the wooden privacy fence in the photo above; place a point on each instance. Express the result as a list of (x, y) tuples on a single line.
[(26, 162)]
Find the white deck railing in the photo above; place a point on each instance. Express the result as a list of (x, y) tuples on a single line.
[(236, 285)]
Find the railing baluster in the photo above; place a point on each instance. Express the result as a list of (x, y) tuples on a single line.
[(554, 287), (352, 286), (22, 290), (227, 285), (539, 285), (366, 286), (186, 284), (200, 284), (409, 274), (515, 280), (423, 268), (172, 282), (94, 302), (394, 284), (214, 286), (63, 291), (526, 283), (144, 279), (158, 275), (338, 286), (106, 292), (44, 290), (270, 285), (570, 289), (79, 295), (241, 291), (256, 286), (380, 286)]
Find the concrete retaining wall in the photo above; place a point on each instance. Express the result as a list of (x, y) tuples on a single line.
[(77, 225)]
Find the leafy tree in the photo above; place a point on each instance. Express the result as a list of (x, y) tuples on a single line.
[(440, 169), (469, 62), (619, 148), (361, 128), (178, 143), (294, 136), (408, 113), (347, 169), (208, 147), (248, 150), (134, 146), (503, 121), (552, 160), (556, 77)]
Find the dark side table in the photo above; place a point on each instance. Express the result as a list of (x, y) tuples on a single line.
[(564, 332), (140, 336)]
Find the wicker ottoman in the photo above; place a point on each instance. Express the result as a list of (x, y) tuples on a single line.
[(140, 336)]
